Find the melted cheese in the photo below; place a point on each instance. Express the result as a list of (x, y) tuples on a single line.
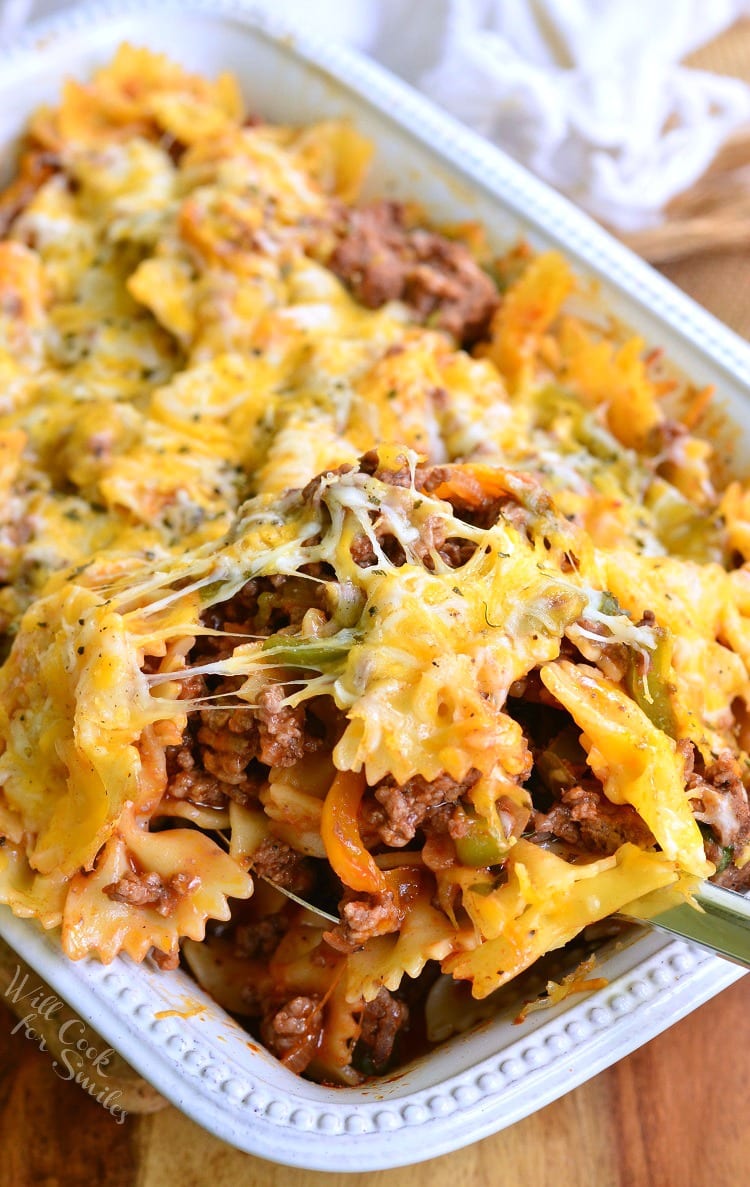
[(177, 363)]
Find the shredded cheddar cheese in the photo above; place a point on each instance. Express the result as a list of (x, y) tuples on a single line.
[(340, 555)]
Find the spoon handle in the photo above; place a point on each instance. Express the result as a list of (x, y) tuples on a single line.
[(722, 925)]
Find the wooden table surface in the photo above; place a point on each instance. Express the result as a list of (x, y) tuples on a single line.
[(673, 1114)]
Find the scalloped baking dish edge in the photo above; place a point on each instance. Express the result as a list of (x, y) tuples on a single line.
[(166, 1027)]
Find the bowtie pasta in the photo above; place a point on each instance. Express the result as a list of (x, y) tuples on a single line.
[(341, 558)]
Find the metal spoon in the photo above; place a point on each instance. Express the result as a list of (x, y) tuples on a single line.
[(722, 926)]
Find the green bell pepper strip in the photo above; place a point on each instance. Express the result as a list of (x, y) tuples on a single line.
[(480, 846), (651, 689)]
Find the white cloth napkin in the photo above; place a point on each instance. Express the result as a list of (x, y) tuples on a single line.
[(589, 94)]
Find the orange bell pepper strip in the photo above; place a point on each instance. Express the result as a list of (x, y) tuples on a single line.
[(468, 485), (341, 838)]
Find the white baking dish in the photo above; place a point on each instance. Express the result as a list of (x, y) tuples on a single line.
[(166, 1027)]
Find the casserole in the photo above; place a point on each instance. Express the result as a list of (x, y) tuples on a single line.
[(471, 1101)]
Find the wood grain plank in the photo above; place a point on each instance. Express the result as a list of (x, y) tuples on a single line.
[(725, 290), (683, 1119), (51, 1133)]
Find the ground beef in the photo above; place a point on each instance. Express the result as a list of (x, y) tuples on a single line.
[(614, 658), (293, 1032), (454, 550), (380, 259), (199, 788), (362, 551), (439, 851), (228, 747), (150, 890), (206, 768), (367, 256), (259, 939), (208, 791), (235, 617), (362, 918), (587, 820), (429, 478), (719, 799), (663, 437), (226, 754), (457, 552), (382, 1019), (262, 607), (167, 961), (431, 538), (369, 464), (201, 769), (316, 487), (192, 687), (238, 720), (447, 288), (282, 865), (730, 877), (281, 732), (390, 544), (400, 810)]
